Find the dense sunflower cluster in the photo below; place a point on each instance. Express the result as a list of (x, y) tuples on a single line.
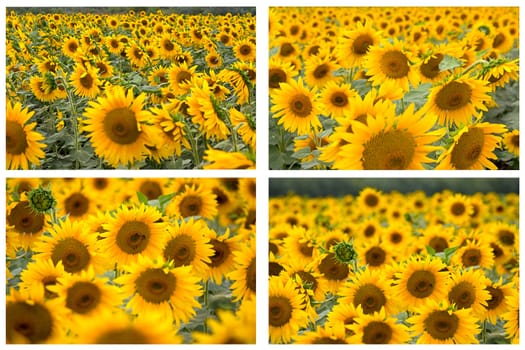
[(130, 90), (392, 268), (394, 88), (121, 261)]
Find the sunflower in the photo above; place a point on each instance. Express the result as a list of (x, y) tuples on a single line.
[(380, 145), (342, 315), (74, 200), (496, 304), (203, 110), (279, 71), (179, 77), (333, 272), (193, 201), (457, 209), (83, 296), (319, 70), (457, 100), (218, 159), (42, 89), (173, 136), (85, 80), (188, 244), (159, 288), (30, 320), (511, 140), (323, 335), (70, 46), (420, 279), (473, 148), (116, 126), (377, 328), (474, 253), (168, 47), (354, 44), (285, 310), (243, 276), (512, 317), (466, 290), (438, 237), (42, 274), (337, 99), (122, 328), (71, 243), (391, 61), (24, 226), (134, 231), (296, 107), (222, 259), (374, 253), (244, 50), (501, 74), (440, 323), (136, 55), (213, 60), (23, 146), (245, 126)]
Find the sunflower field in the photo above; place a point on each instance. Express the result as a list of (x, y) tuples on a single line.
[(130, 261), (394, 268), (130, 90), (394, 88)]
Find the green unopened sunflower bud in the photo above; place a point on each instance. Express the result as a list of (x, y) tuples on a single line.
[(344, 252), (41, 199)]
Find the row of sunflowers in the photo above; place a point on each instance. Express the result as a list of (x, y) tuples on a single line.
[(394, 268), (130, 261), (141, 90), (394, 88)]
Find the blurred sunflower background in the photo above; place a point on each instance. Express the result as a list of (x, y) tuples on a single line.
[(394, 261), (140, 88), (394, 88), (130, 261)]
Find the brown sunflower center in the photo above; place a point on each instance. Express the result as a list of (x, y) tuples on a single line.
[(221, 253), (471, 257), (100, 183), (396, 237), (168, 45), (362, 43), (421, 283), (151, 189), (439, 244), (300, 105), (245, 50), (375, 256), (72, 46), (133, 237), (180, 249), (155, 286), (275, 77), (220, 196), (83, 297), (76, 204), (306, 249), (321, 71), (430, 69), (441, 325), (458, 209), (391, 150), (24, 219), (468, 149), (251, 274), (463, 295), (496, 298), (328, 340), (377, 332), (453, 95), (274, 269), (371, 200), (370, 297), (190, 205), (120, 125), (286, 50), (339, 99), (394, 64), (515, 140), (183, 77), (498, 40), (86, 80), (33, 322), (506, 237), (15, 138), (332, 269), (279, 311), (122, 336), (369, 231), (73, 254), (496, 250)]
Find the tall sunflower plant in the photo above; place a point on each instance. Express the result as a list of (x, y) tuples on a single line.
[(450, 79)]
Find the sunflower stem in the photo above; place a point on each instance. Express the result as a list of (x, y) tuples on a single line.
[(73, 119), (206, 288), (484, 332)]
